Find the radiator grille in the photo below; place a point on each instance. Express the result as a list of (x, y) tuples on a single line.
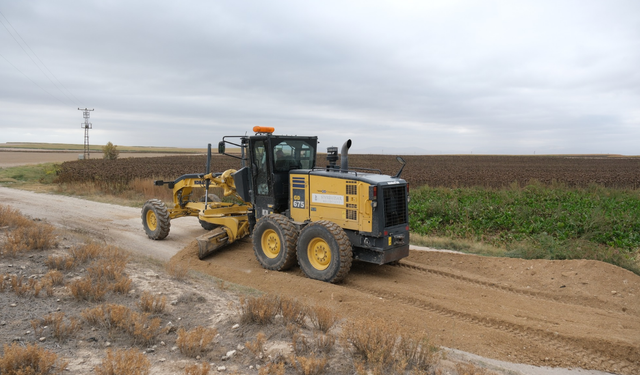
[(352, 215), (352, 189), (395, 205)]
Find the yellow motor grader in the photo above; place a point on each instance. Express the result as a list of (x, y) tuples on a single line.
[(321, 218)]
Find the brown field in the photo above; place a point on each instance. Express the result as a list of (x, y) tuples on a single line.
[(448, 171), (70, 147), (24, 157)]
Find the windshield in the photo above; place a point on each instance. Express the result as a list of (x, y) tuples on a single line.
[(293, 154)]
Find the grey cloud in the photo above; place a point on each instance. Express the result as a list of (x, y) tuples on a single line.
[(495, 77)]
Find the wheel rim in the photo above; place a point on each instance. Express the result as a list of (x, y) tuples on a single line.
[(152, 220), (270, 243), (319, 254)]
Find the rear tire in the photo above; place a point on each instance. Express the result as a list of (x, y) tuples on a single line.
[(324, 251), (205, 224), (274, 242), (155, 219)]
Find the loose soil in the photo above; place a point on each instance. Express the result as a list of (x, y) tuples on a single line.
[(576, 313)]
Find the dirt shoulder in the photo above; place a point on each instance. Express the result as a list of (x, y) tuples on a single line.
[(112, 224), (581, 314)]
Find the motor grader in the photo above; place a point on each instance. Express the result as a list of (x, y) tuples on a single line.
[(321, 218)]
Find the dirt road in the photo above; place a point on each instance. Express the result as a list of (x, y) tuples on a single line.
[(549, 313), (117, 225)]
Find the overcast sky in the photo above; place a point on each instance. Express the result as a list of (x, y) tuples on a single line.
[(432, 77)]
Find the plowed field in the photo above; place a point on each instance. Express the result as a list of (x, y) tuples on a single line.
[(548, 313), (433, 170)]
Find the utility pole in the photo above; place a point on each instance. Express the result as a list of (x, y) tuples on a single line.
[(86, 126)]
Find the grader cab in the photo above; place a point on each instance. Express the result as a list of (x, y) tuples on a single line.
[(321, 218)]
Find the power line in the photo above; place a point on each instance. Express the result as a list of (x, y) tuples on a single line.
[(34, 62), (34, 82)]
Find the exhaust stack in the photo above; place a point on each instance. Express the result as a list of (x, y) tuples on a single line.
[(344, 156)]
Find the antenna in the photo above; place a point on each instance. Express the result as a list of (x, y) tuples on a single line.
[(86, 126)]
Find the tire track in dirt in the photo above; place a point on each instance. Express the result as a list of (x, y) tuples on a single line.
[(590, 301), (552, 340), (469, 316)]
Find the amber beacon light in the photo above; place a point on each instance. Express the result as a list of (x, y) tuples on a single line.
[(263, 129)]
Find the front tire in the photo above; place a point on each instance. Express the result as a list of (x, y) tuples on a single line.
[(155, 219), (274, 242), (324, 251)]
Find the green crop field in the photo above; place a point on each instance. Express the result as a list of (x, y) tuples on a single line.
[(536, 221)]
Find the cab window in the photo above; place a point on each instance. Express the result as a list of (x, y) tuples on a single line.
[(260, 166), (290, 155)]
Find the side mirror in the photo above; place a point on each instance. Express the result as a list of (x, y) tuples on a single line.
[(221, 147)]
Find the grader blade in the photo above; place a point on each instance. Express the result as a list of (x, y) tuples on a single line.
[(211, 241)]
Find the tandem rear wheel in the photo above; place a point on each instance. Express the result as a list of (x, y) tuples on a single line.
[(274, 242), (324, 251), (322, 248)]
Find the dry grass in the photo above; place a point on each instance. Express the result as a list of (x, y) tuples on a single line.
[(143, 329), (86, 252), (19, 287), (272, 369), (121, 285), (153, 304), (386, 346), (55, 277), (105, 272), (61, 329), (471, 369), (195, 341), (24, 234), (12, 218), (134, 192), (88, 289), (107, 269), (48, 287), (293, 311), (257, 346), (323, 318), (201, 369), (29, 360), (37, 236), (61, 263), (146, 188), (260, 310), (22, 287), (124, 362), (311, 365), (300, 344)]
